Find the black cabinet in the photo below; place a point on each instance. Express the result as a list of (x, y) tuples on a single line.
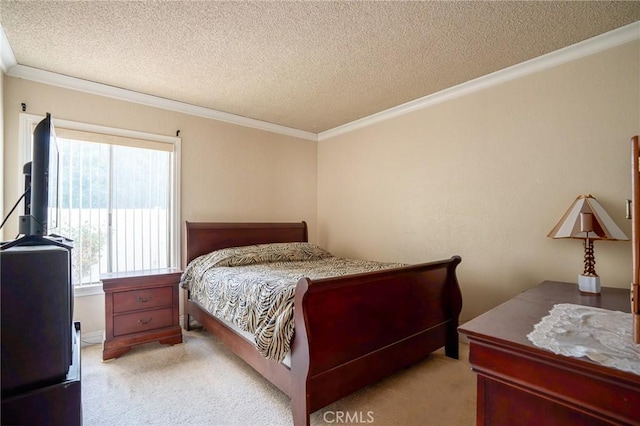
[(56, 404), (40, 346)]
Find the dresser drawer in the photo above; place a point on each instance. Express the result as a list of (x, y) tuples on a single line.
[(135, 300), (142, 321)]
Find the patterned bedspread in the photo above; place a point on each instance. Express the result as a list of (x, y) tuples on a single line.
[(253, 286)]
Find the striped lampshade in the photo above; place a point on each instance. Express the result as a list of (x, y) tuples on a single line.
[(586, 214)]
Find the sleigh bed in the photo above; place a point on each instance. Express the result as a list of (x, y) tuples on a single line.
[(350, 331)]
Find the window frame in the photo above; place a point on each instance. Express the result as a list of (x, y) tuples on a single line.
[(25, 131)]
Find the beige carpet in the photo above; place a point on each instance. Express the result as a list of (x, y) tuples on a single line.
[(200, 382)]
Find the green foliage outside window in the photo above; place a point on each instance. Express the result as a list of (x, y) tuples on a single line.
[(87, 242)]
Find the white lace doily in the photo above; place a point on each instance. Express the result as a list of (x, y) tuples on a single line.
[(599, 334)]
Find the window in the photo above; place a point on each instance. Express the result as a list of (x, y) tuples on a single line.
[(118, 199)]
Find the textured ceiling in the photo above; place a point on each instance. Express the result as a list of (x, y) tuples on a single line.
[(307, 65)]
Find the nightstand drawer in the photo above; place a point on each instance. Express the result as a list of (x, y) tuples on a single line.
[(142, 321), (135, 300)]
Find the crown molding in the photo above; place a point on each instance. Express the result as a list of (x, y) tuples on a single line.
[(54, 79), (7, 58), (10, 66), (579, 50)]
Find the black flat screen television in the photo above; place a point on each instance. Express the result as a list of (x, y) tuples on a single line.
[(43, 202)]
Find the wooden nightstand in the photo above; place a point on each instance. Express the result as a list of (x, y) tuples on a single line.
[(140, 307)]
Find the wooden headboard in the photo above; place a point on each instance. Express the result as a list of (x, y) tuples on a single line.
[(204, 237)]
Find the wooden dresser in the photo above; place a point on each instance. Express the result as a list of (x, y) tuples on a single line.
[(521, 384), (140, 307)]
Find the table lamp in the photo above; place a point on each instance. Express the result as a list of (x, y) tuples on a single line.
[(587, 220)]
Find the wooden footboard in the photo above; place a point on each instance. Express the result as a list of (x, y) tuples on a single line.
[(356, 330), (349, 331)]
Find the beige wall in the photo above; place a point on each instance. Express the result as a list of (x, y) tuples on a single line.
[(229, 173), (487, 176)]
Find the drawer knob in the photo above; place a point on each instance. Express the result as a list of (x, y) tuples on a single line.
[(145, 320), (144, 299)]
